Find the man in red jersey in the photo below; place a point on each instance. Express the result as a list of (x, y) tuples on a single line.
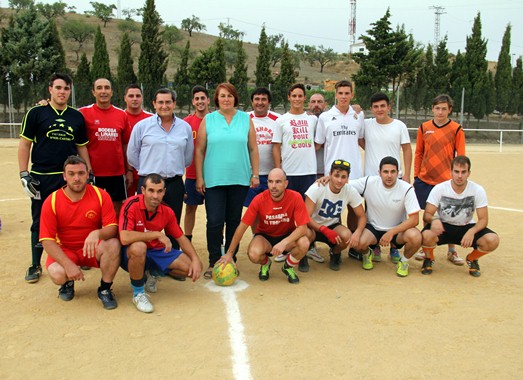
[(78, 228), (142, 221), (200, 102), (282, 227), (133, 99), (108, 132)]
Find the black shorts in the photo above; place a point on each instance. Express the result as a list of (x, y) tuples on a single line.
[(422, 191), (378, 234), (48, 184), (193, 197), (114, 185), (322, 238), (453, 234), (273, 240)]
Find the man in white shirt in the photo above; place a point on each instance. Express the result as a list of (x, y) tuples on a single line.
[(392, 215), (456, 200), (325, 205)]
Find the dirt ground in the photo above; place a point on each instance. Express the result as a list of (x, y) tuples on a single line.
[(346, 324)]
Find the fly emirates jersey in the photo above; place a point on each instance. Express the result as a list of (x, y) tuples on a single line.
[(108, 130), (264, 127), (295, 133), (339, 133), (277, 218)]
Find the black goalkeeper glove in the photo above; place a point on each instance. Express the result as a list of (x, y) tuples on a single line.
[(30, 184)]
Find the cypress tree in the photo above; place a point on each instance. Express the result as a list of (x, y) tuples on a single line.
[(503, 77), (181, 79), (83, 82), (240, 79), (441, 81), (286, 77), (125, 71), (263, 61), (152, 63), (100, 61)]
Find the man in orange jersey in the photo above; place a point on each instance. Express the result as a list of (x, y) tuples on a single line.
[(438, 141), (78, 227)]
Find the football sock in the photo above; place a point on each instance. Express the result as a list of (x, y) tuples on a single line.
[(429, 252), (36, 248), (475, 254)]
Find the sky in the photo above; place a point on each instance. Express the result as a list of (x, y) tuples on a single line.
[(326, 22)]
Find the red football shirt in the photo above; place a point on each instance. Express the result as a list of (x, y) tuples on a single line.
[(134, 217), (277, 218), (194, 121), (108, 130), (69, 223), (135, 118)]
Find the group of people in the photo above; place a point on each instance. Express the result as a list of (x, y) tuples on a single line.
[(87, 165)]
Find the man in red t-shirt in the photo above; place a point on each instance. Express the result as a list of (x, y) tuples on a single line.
[(133, 99), (108, 131), (282, 227), (200, 102), (145, 246), (78, 228)]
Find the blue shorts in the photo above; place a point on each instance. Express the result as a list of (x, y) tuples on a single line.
[(156, 259), (192, 197), (254, 192), (422, 191), (301, 183)]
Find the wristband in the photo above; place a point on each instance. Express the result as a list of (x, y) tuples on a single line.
[(255, 176)]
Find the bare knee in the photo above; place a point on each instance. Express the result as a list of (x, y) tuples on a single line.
[(137, 251), (488, 242), (57, 273), (429, 238)]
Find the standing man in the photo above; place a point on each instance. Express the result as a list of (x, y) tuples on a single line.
[(438, 141), (108, 131), (49, 135), (264, 122), (325, 205), (293, 142), (282, 228), (456, 200), (142, 221), (385, 136), (133, 99), (387, 202), (163, 144), (200, 102), (79, 228)]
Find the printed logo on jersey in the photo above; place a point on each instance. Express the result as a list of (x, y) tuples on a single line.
[(263, 135), (456, 211), (344, 131), (59, 131), (300, 134), (91, 214), (276, 219), (331, 209), (106, 134)]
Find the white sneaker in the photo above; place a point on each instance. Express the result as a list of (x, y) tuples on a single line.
[(142, 303), (453, 257), (420, 256), (151, 282), (313, 254), (280, 258)]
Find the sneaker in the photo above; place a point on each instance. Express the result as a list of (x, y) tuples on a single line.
[(142, 303), (303, 266), (33, 274), (427, 266), (107, 298), (66, 291), (473, 268), (151, 282), (420, 256), (376, 254), (313, 254), (453, 257), (290, 273), (402, 269), (83, 267), (264, 271), (335, 261), (367, 260), (395, 255), (355, 254), (281, 257)]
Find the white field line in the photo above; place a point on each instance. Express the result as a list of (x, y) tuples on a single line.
[(240, 354), (505, 209)]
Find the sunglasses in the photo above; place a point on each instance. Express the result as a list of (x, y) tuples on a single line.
[(341, 162)]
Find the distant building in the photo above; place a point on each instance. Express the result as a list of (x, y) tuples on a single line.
[(359, 47)]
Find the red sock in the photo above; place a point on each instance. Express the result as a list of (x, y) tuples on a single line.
[(475, 254), (265, 260), (291, 261)]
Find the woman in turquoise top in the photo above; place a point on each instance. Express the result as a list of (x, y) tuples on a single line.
[(226, 160)]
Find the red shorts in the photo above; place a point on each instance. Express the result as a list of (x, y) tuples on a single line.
[(77, 257)]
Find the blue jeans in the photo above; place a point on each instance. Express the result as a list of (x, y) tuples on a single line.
[(223, 205)]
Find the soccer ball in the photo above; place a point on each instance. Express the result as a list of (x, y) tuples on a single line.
[(224, 275)]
